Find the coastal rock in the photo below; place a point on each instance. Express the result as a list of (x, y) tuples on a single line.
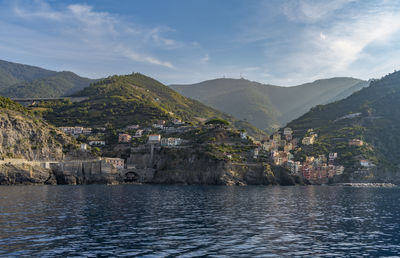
[(184, 166), (25, 136), (25, 174)]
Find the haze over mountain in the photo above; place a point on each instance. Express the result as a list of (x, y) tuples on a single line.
[(118, 101), (19, 80), (268, 106), (374, 118)]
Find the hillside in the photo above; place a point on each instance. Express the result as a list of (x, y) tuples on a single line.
[(375, 120), (23, 135), (118, 101), (268, 106), (18, 80)]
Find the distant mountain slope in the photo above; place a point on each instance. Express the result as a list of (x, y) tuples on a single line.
[(60, 84), (18, 80), (122, 100), (375, 120), (268, 106)]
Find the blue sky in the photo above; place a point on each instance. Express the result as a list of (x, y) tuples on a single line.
[(187, 41)]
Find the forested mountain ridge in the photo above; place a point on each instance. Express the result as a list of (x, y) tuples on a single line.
[(371, 115), (25, 81), (267, 106), (118, 101)]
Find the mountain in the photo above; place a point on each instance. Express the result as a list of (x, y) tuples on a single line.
[(268, 106), (371, 115), (118, 101), (18, 80), (22, 135)]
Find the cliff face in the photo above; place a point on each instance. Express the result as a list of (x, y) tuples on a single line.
[(188, 166), (62, 173), (169, 166), (24, 136), (25, 174)]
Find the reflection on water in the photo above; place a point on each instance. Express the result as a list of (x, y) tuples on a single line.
[(198, 220)]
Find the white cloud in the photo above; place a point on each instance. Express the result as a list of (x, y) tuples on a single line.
[(347, 41), (94, 32), (328, 38), (205, 59), (312, 10)]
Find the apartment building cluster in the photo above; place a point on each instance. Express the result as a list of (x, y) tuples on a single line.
[(76, 130), (281, 147)]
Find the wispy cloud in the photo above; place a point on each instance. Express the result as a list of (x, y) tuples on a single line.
[(205, 59), (311, 11), (319, 39), (283, 42), (344, 42), (98, 32)]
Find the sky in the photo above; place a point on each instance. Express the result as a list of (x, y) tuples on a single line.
[(187, 41)]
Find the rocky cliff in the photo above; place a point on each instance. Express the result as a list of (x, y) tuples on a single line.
[(169, 166), (191, 166), (22, 135)]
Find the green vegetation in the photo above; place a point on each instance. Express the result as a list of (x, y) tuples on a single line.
[(118, 101), (267, 106), (23, 135), (8, 104), (17, 80), (217, 121), (375, 120)]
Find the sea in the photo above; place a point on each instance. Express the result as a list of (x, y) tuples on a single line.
[(192, 221)]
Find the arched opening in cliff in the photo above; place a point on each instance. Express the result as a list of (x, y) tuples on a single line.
[(131, 177)]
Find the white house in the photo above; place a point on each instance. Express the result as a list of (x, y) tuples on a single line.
[(154, 139), (97, 143), (83, 146)]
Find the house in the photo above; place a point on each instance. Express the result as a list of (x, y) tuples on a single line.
[(268, 145), (310, 159), (339, 170), (255, 153), (333, 155), (97, 143), (77, 130), (287, 132), (366, 163), (154, 139), (282, 143), (138, 133), (356, 142), (124, 138), (86, 130), (83, 146), (131, 127), (171, 141), (288, 147), (177, 121), (308, 140), (243, 135), (116, 162), (67, 129), (276, 137), (159, 124), (281, 158)]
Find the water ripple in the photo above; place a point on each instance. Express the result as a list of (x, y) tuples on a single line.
[(188, 221)]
